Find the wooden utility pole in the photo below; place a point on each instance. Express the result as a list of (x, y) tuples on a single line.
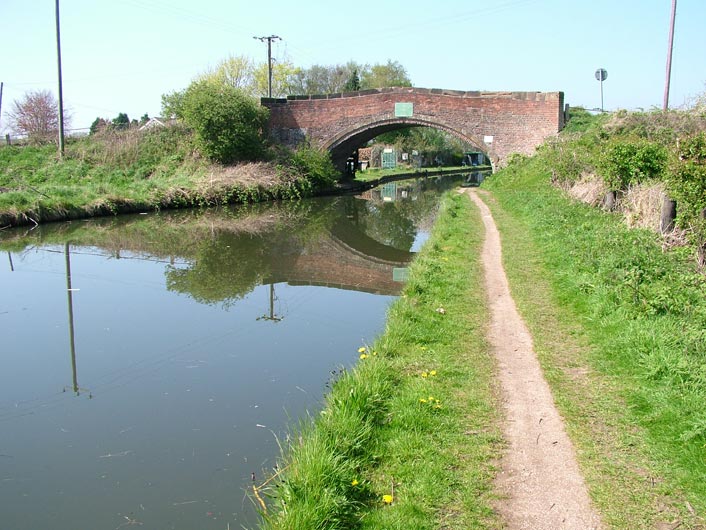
[(61, 92), (1, 87), (665, 104), (269, 60)]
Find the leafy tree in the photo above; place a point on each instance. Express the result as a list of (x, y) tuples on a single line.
[(36, 115), (228, 124), (353, 82), (98, 125), (121, 121), (236, 71), (173, 104), (144, 119), (392, 74), (284, 79)]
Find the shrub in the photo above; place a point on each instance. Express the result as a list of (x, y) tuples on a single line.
[(315, 165), (626, 162), (687, 185), (228, 124)]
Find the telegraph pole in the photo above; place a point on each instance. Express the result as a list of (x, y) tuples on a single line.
[(269, 40), (1, 87), (61, 93), (665, 104)]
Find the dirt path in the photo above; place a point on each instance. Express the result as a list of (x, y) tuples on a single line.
[(539, 481)]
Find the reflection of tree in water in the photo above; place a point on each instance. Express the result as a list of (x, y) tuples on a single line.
[(396, 223), (387, 223), (231, 251), (230, 265)]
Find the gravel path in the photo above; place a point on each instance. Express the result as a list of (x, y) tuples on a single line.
[(539, 481)]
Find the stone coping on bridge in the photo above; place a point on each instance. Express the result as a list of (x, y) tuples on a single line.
[(527, 96)]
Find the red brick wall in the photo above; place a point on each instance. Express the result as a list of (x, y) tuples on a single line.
[(517, 121)]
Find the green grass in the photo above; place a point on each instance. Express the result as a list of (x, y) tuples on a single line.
[(393, 427), (619, 328), (127, 171)]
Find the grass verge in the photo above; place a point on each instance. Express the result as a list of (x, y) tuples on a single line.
[(132, 171), (619, 328), (408, 437)]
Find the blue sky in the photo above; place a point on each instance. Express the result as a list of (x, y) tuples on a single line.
[(122, 55)]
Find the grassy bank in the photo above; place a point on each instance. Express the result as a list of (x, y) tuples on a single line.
[(619, 328), (406, 439), (128, 171)]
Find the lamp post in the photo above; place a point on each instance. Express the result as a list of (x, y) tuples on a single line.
[(601, 75), (269, 40)]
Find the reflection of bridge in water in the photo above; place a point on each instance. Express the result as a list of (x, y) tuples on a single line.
[(345, 259)]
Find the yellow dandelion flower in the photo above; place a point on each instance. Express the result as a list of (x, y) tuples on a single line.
[(387, 499), (432, 373), (375, 353), (363, 356), (361, 349), (432, 398), (354, 482), (437, 406), (422, 400), (424, 374)]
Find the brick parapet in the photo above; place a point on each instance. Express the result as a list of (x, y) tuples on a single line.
[(516, 121)]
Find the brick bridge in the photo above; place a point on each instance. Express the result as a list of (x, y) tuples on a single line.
[(497, 123)]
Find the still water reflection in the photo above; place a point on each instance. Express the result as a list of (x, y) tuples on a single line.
[(150, 363)]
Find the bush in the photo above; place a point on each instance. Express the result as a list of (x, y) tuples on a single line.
[(569, 157), (626, 162), (228, 124), (315, 165), (687, 185)]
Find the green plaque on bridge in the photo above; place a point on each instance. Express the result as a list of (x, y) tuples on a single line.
[(404, 110)]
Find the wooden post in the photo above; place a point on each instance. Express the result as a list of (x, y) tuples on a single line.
[(669, 214), (610, 200)]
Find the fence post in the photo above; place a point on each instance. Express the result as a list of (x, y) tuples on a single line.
[(669, 214)]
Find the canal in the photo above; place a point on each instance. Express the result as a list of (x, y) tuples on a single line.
[(153, 364)]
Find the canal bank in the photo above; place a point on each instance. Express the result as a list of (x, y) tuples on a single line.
[(408, 437)]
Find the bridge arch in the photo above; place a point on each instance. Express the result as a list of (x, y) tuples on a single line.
[(342, 146), (498, 123)]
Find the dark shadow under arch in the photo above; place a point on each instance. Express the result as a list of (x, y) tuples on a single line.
[(342, 146)]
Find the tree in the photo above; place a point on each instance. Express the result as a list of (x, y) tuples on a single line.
[(121, 121), (385, 75), (228, 124), (173, 104), (37, 116), (284, 79), (99, 124), (236, 71), (353, 82)]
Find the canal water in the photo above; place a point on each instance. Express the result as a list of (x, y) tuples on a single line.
[(153, 364)]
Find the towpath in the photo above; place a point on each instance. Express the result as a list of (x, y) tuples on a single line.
[(539, 483)]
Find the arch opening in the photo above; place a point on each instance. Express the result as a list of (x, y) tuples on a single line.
[(342, 147)]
